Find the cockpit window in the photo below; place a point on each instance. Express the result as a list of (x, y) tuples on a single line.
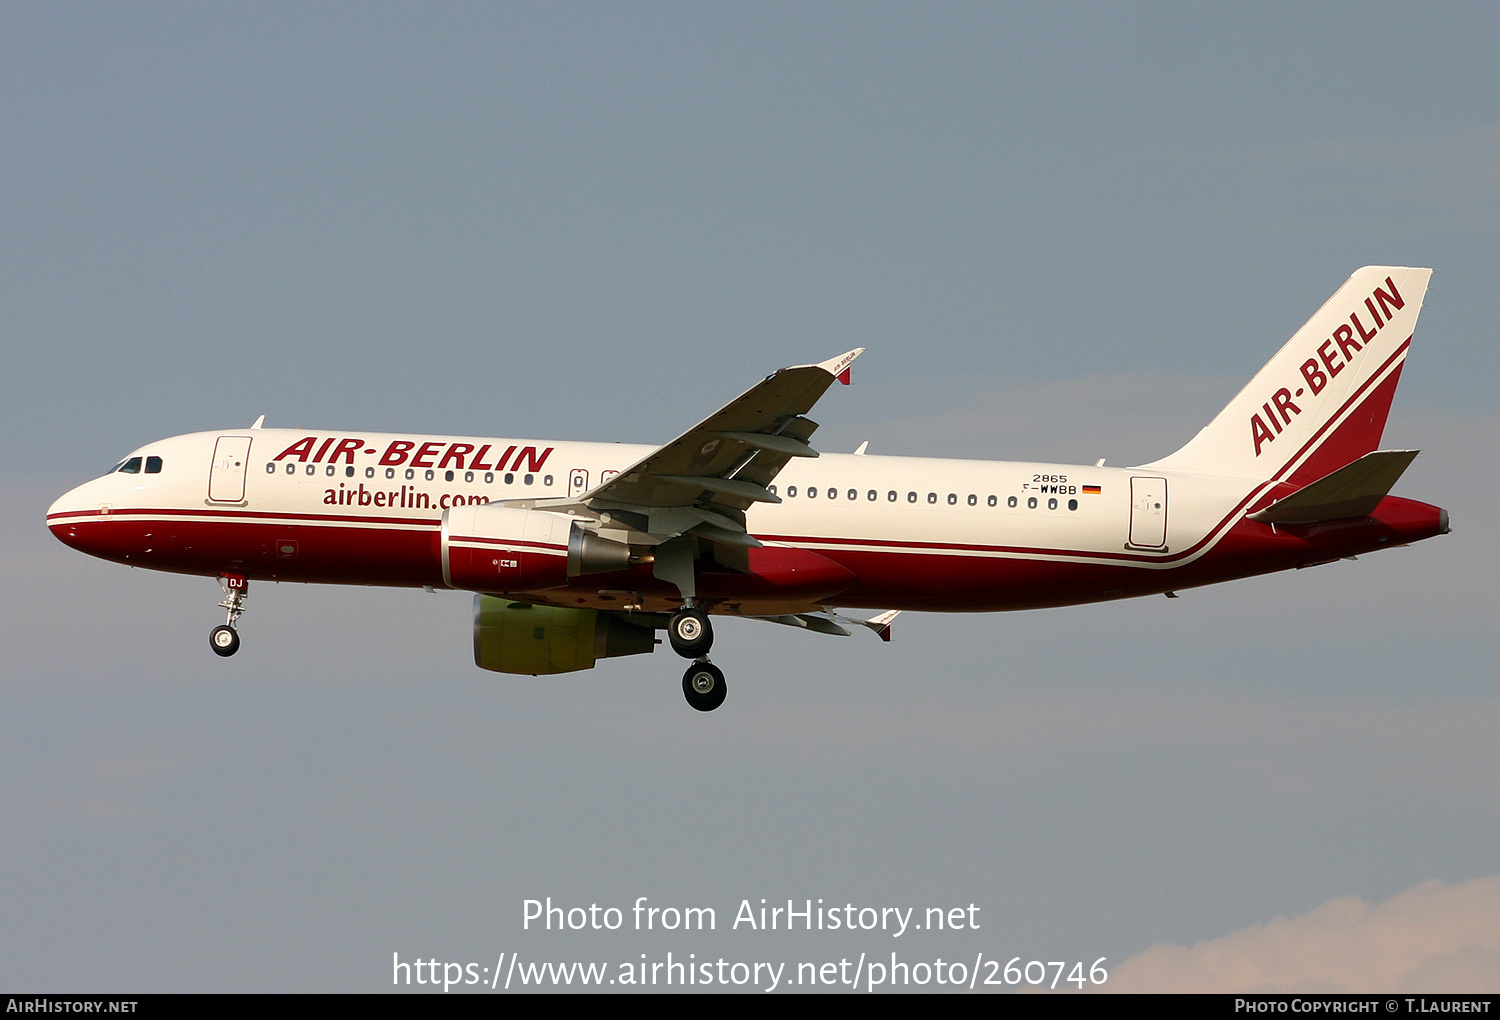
[(153, 465), (131, 466)]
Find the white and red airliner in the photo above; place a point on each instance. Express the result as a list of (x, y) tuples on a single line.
[(581, 551)]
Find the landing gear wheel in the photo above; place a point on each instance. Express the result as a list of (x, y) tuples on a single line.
[(224, 640), (690, 633), (703, 686)]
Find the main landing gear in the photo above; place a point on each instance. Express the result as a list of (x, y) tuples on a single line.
[(224, 639), (703, 686), (691, 636), (690, 633)]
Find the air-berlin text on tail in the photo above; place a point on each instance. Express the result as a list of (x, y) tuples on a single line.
[(1334, 355), (417, 453)]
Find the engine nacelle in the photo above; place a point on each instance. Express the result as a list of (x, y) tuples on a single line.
[(513, 637), (492, 548)]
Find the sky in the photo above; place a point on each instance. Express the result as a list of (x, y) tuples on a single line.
[(1061, 231)]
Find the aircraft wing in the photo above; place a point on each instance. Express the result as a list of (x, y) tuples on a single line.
[(704, 480)]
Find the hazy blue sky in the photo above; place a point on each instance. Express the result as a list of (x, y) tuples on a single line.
[(1062, 231)]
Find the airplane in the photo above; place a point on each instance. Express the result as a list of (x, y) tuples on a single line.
[(577, 552)]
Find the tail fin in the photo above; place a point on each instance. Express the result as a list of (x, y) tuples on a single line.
[(1322, 401)]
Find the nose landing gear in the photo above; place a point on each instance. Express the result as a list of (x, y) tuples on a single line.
[(224, 639)]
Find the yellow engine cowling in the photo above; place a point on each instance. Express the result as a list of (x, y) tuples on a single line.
[(513, 637)]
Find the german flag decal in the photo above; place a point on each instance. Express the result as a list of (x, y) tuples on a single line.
[(1092, 490)]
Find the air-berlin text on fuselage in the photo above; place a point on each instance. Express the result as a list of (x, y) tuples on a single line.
[(438, 454), (1316, 372)]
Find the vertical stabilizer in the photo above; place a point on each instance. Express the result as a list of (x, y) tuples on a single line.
[(1322, 401)]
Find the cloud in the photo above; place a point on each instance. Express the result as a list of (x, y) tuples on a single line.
[(1433, 938)]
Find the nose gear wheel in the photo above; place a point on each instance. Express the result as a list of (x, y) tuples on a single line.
[(224, 639)]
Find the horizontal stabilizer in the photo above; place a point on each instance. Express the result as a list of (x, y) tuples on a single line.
[(1354, 490)]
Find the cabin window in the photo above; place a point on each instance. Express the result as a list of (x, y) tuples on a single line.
[(329, 472), (311, 470), (992, 501), (1011, 501), (410, 474), (932, 497), (1072, 504), (853, 493), (369, 472), (911, 497), (528, 479), (872, 495), (468, 476), (1052, 504), (1031, 503), (510, 478), (812, 492), (973, 499), (430, 476), (489, 477), (791, 490), (891, 496), (953, 499), (291, 469), (270, 469), (547, 480)]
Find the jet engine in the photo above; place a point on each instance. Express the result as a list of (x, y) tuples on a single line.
[(492, 548), (513, 637)]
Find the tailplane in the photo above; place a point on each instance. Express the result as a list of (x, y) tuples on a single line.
[(1354, 490), (1322, 401)]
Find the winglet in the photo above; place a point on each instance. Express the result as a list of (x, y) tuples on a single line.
[(881, 624), (259, 422), (839, 367)]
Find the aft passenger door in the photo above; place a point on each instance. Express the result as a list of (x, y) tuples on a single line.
[(1148, 512), (226, 476)]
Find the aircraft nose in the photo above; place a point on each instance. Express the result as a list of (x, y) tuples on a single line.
[(68, 511)]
